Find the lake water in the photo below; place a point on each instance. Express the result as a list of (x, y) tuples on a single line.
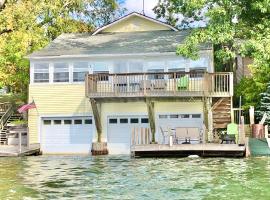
[(121, 177)]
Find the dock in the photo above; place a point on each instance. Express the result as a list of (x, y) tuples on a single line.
[(14, 150), (184, 150)]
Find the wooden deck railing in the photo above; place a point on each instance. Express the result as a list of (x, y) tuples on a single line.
[(164, 84), (6, 115)]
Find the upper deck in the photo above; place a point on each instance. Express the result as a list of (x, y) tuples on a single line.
[(165, 84)]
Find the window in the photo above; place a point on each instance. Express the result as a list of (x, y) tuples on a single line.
[(124, 121), (80, 69), (134, 120), (67, 121), (77, 121), (41, 73), (157, 74), (163, 116), (180, 72), (196, 116), (88, 121), (47, 122), (197, 72), (57, 122), (61, 72), (113, 121), (173, 116), (144, 120), (184, 116), (103, 75)]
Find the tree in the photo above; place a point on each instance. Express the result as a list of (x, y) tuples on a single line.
[(29, 25), (264, 106), (233, 27)]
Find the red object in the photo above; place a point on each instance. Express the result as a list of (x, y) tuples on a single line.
[(26, 107), (258, 131)]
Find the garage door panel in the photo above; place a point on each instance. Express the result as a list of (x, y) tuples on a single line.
[(120, 130), (67, 137)]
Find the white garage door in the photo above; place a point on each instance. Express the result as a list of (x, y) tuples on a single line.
[(178, 120), (66, 135), (119, 132)]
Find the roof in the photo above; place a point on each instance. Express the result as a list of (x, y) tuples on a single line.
[(85, 44), (131, 15)]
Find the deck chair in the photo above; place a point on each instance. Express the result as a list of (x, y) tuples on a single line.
[(231, 135), (165, 134), (160, 84), (183, 83), (181, 135), (146, 83), (194, 135)]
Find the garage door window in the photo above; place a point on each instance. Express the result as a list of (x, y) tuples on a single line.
[(173, 116), (134, 120), (57, 122), (77, 121), (184, 116), (196, 116), (163, 116), (88, 121), (47, 122), (113, 121), (124, 121), (144, 120), (67, 121)]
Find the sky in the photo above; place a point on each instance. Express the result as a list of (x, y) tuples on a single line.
[(137, 5)]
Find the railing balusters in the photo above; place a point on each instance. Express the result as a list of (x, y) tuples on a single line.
[(159, 84)]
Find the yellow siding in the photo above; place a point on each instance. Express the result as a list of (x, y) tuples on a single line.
[(135, 23), (64, 99)]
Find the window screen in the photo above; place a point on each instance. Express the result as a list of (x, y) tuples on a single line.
[(41, 73), (80, 69), (61, 72)]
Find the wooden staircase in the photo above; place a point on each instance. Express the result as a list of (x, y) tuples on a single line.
[(221, 110), (4, 130)]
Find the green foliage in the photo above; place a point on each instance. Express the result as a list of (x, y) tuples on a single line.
[(233, 27), (29, 25), (264, 105)]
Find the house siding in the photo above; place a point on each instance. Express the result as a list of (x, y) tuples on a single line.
[(134, 24)]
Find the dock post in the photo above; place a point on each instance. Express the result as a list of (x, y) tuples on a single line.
[(20, 142), (171, 141)]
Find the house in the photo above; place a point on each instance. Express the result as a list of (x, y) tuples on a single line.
[(98, 87)]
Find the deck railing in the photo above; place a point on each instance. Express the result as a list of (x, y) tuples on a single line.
[(159, 84)]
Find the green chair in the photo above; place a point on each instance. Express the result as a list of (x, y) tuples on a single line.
[(183, 83), (231, 135)]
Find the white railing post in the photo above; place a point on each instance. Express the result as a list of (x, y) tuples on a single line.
[(231, 83)]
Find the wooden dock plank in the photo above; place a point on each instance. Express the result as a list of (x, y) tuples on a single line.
[(152, 150), (13, 150)]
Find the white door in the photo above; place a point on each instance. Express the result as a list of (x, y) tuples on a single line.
[(66, 135), (119, 132), (178, 120)]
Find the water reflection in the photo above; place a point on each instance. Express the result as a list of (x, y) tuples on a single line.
[(120, 177)]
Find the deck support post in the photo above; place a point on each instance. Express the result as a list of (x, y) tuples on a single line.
[(151, 117), (208, 119), (98, 148)]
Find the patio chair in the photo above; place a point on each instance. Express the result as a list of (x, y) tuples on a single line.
[(231, 134), (183, 83), (145, 83), (159, 84), (165, 134), (181, 135), (194, 134)]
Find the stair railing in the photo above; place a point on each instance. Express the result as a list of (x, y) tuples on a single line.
[(6, 116)]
